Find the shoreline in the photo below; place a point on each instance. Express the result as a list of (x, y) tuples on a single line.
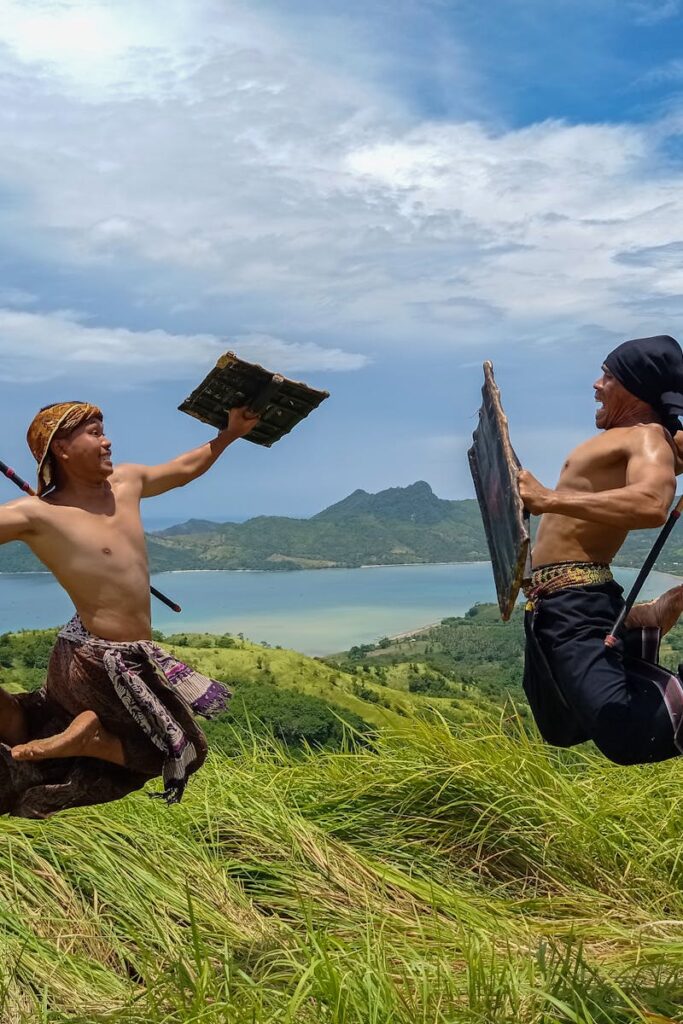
[(408, 633), (305, 613), (326, 568), (279, 572)]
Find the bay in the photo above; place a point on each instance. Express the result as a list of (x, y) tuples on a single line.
[(315, 611)]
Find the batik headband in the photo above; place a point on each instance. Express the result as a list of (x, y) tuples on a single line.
[(64, 416)]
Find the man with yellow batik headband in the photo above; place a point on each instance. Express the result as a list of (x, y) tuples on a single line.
[(51, 422), (115, 710)]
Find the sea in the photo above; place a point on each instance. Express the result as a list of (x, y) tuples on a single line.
[(317, 611)]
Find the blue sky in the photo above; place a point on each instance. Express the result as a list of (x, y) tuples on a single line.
[(373, 197)]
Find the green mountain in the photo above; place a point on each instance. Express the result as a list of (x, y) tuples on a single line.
[(399, 525), (414, 504)]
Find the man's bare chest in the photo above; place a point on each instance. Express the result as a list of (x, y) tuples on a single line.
[(597, 464), (113, 532)]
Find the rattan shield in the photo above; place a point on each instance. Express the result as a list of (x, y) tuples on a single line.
[(282, 403), (494, 467)]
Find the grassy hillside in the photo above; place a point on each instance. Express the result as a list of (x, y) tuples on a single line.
[(300, 700), (435, 878), (404, 868), (477, 654)]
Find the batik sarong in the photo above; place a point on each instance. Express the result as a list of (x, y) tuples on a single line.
[(141, 694), (579, 689)]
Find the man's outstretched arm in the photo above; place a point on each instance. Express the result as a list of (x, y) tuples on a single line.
[(16, 521), (642, 503), (190, 465)]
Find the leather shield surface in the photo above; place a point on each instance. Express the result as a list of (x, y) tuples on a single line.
[(494, 468)]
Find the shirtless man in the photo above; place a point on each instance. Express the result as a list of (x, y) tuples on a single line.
[(121, 699), (620, 480)]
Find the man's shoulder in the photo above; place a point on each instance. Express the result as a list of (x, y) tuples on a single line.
[(634, 437), (124, 472), (648, 435), (127, 481), (29, 504), (27, 510), (649, 439)]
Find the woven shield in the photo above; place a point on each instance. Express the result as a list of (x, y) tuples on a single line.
[(494, 467), (281, 403)]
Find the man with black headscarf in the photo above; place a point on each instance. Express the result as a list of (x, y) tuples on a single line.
[(623, 479)]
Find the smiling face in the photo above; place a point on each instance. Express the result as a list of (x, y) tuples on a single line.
[(84, 454)]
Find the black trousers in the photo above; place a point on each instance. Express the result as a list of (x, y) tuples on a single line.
[(579, 689)]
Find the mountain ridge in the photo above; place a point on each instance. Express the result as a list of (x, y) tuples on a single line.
[(414, 503), (395, 526)]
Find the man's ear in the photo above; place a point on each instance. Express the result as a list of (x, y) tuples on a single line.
[(58, 449)]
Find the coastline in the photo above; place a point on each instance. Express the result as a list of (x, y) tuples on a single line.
[(409, 633), (326, 568), (312, 613), (279, 572), (414, 632)]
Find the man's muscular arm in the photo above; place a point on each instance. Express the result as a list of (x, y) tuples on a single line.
[(16, 522), (642, 503), (190, 465)]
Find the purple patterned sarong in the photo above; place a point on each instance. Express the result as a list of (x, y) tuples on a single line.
[(125, 664)]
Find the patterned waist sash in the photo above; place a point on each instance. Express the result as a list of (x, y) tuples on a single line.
[(549, 579), (203, 696)]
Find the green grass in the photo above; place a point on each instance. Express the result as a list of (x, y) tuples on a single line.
[(289, 670), (481, 878)]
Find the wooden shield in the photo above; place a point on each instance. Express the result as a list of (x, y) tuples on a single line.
[(281, 403), (494, 468)]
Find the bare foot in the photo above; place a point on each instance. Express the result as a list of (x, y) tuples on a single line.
[(75, 741), (662, 613)]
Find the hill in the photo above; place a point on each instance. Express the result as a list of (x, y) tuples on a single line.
[(424, 867), (478, 653), (299, 699), (399, 525)]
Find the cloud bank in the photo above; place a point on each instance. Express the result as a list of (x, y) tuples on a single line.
[(231, 174), (41, 347)]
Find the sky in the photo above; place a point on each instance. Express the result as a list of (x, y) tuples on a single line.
[(371, 197)]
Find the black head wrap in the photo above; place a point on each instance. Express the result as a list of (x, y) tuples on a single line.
[(652, 370)]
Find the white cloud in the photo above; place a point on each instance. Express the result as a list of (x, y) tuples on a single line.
[(206, 150), (652, 12), (671, 71), (37, 347), (17, 297), (295, 356)]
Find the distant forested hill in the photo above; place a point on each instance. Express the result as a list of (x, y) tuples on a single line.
[(401, 524), (397, 525)]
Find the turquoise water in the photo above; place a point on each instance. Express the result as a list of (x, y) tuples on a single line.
[(315, 611)]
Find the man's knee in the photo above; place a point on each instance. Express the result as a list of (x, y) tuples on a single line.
[(616, 736), (619, 753), (628, 746)]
